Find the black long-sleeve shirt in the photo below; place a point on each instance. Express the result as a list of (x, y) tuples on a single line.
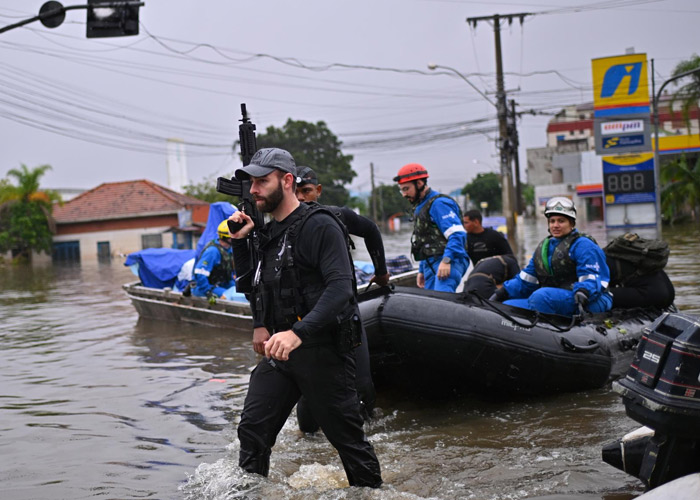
[(320, 248), (365, 228)]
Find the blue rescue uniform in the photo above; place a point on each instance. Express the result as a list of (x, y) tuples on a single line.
[(591, 273), (445, 214), (208, 265)]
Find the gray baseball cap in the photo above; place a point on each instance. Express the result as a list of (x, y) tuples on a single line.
[(306, 175), (265, 161)]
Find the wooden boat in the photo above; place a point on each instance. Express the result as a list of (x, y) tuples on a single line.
[(449, 342)]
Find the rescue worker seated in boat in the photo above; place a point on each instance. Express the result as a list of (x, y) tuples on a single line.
[(439, 240), (213, 272), (490, 254), (629, 289), (567, 271), (309, 190)]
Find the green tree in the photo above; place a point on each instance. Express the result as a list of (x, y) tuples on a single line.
[(486, 187), (680, 192), (26, 222), (360, 204), (528, 192), (389, 202), (206, 191), (689, 92), (314, 145)]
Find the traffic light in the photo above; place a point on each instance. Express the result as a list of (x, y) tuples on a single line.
[(112, 18)]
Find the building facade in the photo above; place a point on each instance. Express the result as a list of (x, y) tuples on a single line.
[(115, 219), (568, 165)]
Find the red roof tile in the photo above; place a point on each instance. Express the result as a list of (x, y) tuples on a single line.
[(119, 200)]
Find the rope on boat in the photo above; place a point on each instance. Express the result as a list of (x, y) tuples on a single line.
[(575, 319)]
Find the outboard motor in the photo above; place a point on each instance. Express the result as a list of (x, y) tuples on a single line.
[(662, 391)]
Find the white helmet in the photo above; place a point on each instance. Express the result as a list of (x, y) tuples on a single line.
[(560, 205)]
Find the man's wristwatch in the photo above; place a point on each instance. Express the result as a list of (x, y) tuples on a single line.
[(446, 260)]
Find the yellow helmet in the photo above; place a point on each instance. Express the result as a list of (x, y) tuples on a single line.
[(222, 230)]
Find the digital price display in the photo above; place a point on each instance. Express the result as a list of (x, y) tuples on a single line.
[(629, 179), (641, 181)]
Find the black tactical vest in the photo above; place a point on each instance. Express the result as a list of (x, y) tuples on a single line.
[(283, 294), (562, 273), (222, 273), (427, 239)]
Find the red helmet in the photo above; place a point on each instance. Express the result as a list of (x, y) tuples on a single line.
[(411, 172)]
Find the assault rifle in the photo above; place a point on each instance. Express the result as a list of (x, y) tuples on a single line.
[(241, 189)]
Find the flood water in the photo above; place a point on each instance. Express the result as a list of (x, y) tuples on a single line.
[(96, 403)]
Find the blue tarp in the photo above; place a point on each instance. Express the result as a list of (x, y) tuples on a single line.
[(219, 211), (158, 267)]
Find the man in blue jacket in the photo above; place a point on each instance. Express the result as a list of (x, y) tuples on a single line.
[(568, 270), (213, 272), (439, 238)]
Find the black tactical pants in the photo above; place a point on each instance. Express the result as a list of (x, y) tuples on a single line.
[(327, 381)]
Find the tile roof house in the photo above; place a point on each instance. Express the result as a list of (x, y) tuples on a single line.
[(117, 218)]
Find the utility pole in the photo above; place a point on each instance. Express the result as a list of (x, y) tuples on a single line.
[(504, 141), (515, 142), (374, 193)]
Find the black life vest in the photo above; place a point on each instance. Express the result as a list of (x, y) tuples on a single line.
[(562, 273), (427, 239), (283, 294), (222, 273)]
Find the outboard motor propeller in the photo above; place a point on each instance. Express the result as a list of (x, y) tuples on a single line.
[(662, 391)]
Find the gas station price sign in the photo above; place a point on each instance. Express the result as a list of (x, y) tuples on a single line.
[(628, 179)]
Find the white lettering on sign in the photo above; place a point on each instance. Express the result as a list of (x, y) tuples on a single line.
[(623, 127)]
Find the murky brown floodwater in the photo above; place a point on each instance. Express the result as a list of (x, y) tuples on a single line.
[(95, 403)]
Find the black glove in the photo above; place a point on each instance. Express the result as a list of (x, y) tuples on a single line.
[(500, 295), (581, 297)]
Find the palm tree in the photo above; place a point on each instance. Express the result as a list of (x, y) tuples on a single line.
[(688, 93), (26, 222), (681, 188)]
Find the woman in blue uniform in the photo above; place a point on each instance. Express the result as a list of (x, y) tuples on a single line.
[(567, 271)]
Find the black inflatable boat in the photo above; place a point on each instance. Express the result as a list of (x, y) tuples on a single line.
[(463, 342)]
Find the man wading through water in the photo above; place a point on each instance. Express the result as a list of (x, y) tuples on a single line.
[(306, 322)]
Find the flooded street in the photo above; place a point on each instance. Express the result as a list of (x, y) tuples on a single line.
[(96, 403)]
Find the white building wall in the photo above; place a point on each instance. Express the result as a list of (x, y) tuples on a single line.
[(591, 168), (121, 242)]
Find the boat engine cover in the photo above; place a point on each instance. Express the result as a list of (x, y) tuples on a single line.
[(662, 387)]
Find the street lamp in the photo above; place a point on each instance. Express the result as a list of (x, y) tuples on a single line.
[(433, 67), (104, 18), (504, 143), (657, 163)]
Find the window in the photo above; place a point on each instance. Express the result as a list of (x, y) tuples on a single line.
[(151, 241), (66, 251), (103, 252)]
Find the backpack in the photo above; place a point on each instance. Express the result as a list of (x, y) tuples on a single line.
[(644, 255)]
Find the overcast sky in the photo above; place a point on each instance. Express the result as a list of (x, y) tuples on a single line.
[(100, 110)]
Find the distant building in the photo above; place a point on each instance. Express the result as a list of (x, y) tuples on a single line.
[(176, 163), (118, 218), (68, 194), (568, 165)]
